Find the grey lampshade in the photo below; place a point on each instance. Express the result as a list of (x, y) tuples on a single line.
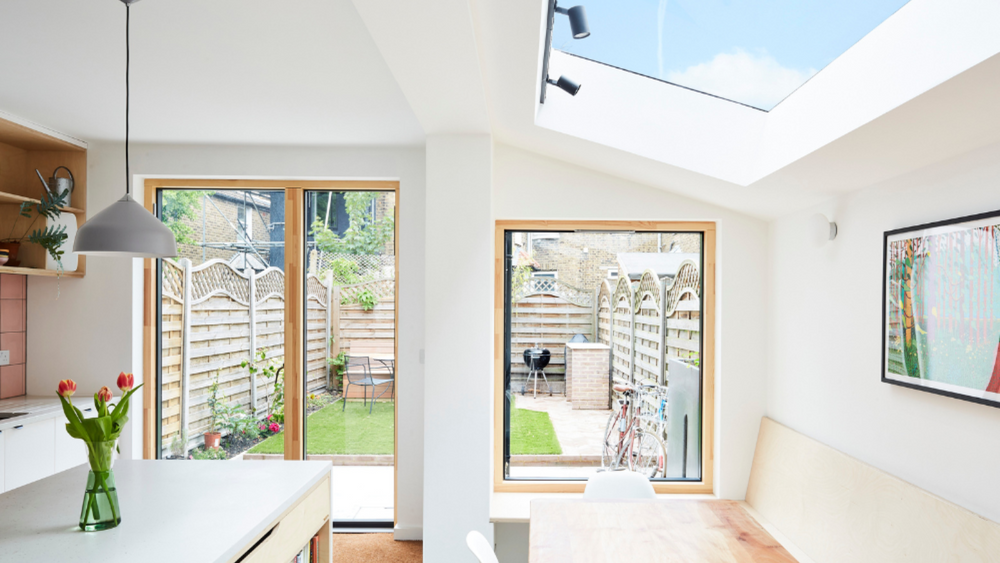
[(125, 228), (578, 22)]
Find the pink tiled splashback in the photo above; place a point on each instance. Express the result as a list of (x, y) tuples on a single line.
[(13, 333)]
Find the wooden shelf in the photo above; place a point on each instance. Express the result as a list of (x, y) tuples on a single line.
[(19, 199), (38, 272)]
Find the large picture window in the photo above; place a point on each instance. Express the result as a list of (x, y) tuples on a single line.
[(606, 362)]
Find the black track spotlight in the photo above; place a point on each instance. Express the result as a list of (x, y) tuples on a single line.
[(578, 24), (565, 84), (577, 21)]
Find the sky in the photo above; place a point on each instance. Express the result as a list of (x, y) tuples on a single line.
[(755, 52)]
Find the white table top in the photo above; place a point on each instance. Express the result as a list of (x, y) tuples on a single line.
[(198, 511)]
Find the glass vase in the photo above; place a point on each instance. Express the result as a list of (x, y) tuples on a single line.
[(100, 509)]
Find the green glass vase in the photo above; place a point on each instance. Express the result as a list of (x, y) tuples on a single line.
[(100, 509)]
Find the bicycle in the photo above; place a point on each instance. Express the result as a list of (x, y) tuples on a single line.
[(626, 443)]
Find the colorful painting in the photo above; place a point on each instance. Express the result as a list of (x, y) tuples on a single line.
[(941, 323)]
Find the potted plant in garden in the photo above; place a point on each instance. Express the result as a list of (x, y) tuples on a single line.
[(100, 509), (216, 408)]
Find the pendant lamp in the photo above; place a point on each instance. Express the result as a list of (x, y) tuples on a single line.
[(125, 228)]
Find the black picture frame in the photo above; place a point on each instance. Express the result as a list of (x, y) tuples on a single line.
[(887, 235)]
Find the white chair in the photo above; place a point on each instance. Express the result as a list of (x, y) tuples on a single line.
[(480, 547), (618, 485)]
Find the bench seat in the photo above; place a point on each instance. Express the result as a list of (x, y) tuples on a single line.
[(837, 509)]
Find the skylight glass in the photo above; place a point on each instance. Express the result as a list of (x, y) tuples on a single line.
[(754, 52)]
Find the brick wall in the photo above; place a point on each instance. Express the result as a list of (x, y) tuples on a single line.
[(585, 270), (216, 228), (587, 375)]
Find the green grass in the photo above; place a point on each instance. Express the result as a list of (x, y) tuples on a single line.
[(531, 433), (331, 431)]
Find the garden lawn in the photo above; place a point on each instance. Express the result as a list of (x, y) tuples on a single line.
[(332, 431), (531, 433)]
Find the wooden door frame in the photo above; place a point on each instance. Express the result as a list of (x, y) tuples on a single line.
[(708, 229), (295, 265)]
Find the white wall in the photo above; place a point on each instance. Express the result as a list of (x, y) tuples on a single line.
[(94, 329), (825, 338), (529, 186), (459, 342)]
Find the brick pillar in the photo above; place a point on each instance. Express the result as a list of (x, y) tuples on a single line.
[(587, 375)]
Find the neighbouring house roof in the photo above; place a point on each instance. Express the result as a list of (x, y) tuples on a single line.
[(665, 264)]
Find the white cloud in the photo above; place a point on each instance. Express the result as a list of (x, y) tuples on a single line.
[(758, 80)]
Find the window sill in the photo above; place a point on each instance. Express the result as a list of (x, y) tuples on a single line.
[(507, 508)]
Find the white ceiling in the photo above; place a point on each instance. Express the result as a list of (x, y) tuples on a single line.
[(302, 72)]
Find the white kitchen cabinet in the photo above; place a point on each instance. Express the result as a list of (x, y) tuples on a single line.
[(70, 452), (2, 435), (29, 453)]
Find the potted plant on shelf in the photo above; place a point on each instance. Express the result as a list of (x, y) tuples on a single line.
[(100, 500), (51, 238)]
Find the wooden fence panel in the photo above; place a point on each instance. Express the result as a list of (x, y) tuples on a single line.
[(548, 313), (219, 337), (648, 321), (622, 332), (367, 333)]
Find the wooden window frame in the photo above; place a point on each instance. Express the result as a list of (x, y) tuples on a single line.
[(295, 265), (708, 229)]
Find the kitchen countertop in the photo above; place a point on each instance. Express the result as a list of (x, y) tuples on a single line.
[(39, 408), (204, 511)]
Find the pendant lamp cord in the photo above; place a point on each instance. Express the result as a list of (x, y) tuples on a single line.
[(127, 60)]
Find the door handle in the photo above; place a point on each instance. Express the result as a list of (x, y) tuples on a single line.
[(19, 427)]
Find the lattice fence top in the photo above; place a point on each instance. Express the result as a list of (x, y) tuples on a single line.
[(315, 288), (217, 277), (688, 278), (623, 292), (604, 295), (383, 289), (551, 286), (173, 280), (270, 283), (648, 288), (369, 267)]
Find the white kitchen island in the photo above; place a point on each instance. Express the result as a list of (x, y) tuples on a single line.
[(190, 511)]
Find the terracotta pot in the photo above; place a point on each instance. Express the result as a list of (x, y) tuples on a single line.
[(11, 248), (212, 439)]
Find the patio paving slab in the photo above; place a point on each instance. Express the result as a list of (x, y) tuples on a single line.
[(580, 432)]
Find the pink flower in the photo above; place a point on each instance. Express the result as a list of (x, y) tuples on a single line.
[(263, 427), (269, 416), (125, 381), (66, 388), (104, 393), (274, 427)]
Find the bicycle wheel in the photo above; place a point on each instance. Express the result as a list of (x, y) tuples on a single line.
[(611, 449), (649, 457)]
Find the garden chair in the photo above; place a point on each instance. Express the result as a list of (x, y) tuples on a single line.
[(357, 371), (386, 374), (618, 485)]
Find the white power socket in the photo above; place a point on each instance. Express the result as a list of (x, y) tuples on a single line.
[(4, 357)]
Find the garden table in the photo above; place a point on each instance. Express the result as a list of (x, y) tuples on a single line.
[(667, 531)]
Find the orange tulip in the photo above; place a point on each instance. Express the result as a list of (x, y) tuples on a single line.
[(105, 394), (66, 388), (125, 381)]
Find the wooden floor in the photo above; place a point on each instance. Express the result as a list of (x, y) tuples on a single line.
[(375, 548)]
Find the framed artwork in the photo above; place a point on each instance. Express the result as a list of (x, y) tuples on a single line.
[(941, 308)]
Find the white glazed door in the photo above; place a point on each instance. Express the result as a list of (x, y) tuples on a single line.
[(29, 454)]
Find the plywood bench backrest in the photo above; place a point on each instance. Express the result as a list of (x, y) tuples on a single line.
[(837, 509)]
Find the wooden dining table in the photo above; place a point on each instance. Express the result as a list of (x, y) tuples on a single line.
[(667, 531)]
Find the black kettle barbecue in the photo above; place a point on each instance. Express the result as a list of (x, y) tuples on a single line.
[(536, 359)]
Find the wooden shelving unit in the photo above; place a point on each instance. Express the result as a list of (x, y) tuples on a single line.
[(25, 146)]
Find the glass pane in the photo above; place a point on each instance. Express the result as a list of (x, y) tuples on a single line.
[(755, 53), (221, 325), (350, 351), (604, 355)]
